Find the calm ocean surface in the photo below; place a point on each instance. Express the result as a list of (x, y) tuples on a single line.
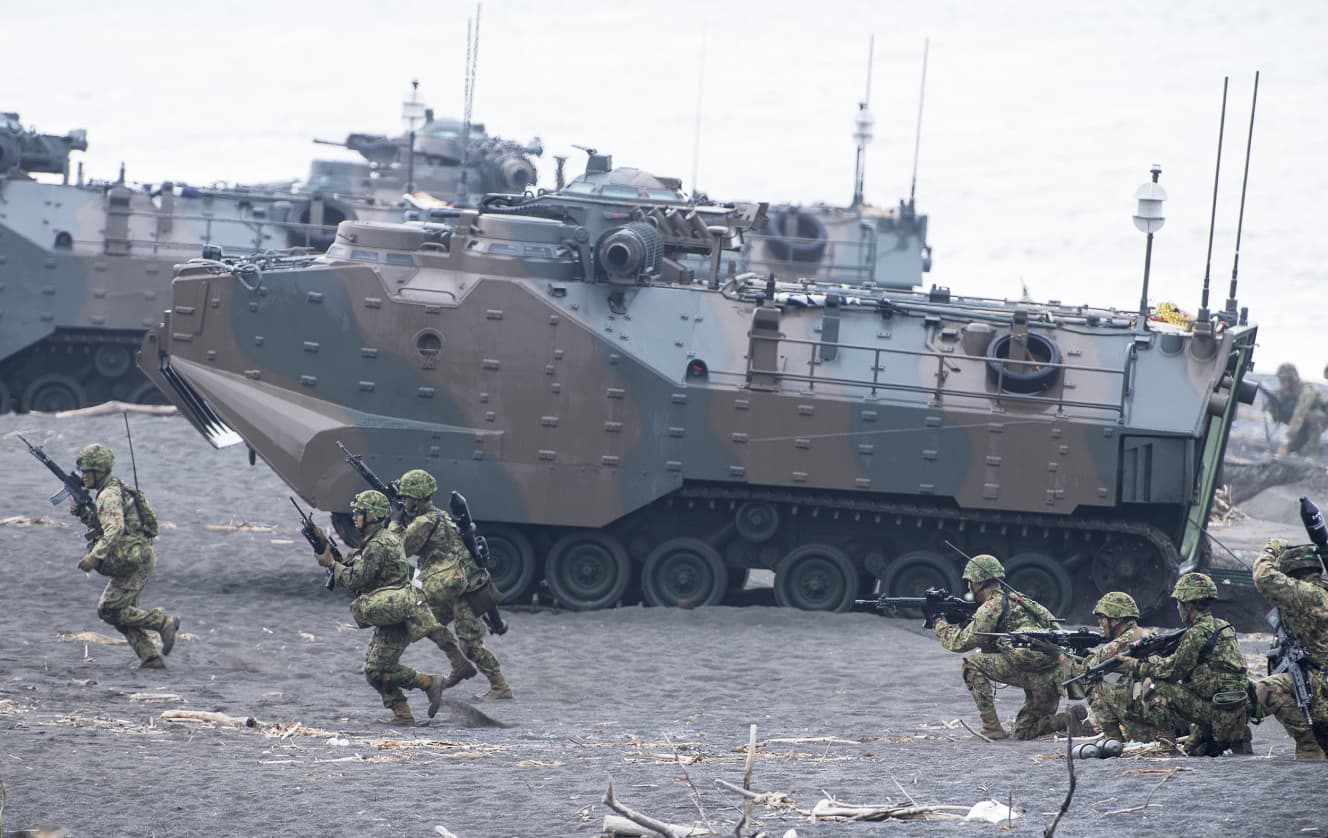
[(1041, 117)]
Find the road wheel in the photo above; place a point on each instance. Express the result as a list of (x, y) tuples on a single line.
[(684, 572), (816, 577), (1041, 577), (52, 393), (512, 561), (587, 570)]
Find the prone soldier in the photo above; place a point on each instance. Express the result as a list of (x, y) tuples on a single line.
[(1292, 579), (1204, 681), (449, 575), (1037, 672), (119, 537), (380, 576)]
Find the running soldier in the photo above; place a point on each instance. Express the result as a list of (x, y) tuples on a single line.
[(1291, 578), (119, 541), (1038, 673), (1303, 409), (448, 573), (380, 576)]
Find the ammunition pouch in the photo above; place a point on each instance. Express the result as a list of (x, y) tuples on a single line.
[(384, 606), (1230, 699), (484, 598)]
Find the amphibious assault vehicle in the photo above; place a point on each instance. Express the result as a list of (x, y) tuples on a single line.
[(85, 268), (627, 412)]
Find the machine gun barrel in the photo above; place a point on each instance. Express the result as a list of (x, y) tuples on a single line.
[(309, 530), (72, 483), (391, 490), (934, 603), (1157, 644)]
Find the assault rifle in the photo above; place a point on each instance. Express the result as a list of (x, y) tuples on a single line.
[(1079, 641), (934, 603), (1287, 655), (1279, 409), (73, 485), (479, 550), (310, 532), (1155, 644), (391, 490)]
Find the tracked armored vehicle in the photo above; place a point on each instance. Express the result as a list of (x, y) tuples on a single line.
[(85, 268), (628, 413)]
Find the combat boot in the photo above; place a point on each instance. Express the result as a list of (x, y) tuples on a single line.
[(168, 630), (401, 715), (433, 688), (1112, 730), (498, 689), (153, 663), (991, 725), (1243, 747), (461, 667), (1061, 722), (1307, 747)]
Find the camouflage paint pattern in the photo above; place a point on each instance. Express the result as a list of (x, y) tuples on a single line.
[(607, 418), (1303, 605)]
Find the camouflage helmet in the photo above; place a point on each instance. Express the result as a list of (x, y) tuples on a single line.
[(371, 502), (96, 457), (1296, 559), (983, 568), (417, 484), (1288, 370), (1194, 586), (1117, 605)]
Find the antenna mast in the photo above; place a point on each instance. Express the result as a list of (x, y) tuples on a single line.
[(863, 134), (696, 130), (472, 58), (1240, 222), (917, 139), (1212, 219)]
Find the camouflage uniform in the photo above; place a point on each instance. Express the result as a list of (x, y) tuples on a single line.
[(1037, 673), (447, 573), (379, 568), (1303, 604), (1207, 665), (1309, 413), (123, 551), (1115, 708)]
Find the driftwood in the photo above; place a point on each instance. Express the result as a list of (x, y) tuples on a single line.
[(205, 717), (651, 825), (767, 798), (618, 825), (107, 408), (833, 810)]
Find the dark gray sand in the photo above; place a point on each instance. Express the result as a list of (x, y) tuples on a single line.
[(659, 701)]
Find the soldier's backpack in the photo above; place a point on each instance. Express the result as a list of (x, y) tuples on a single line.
[(147, 519)]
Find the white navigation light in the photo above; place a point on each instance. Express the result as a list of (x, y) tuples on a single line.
[(1148, 217)]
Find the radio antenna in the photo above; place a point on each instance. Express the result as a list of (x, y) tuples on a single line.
[(863, 133), (1212, 219), (1240, 222), (130, 437), (917, 138)]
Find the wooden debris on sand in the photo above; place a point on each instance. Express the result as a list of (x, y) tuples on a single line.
[(91, 637), (833, 810), (243, 526), (110, 408), (29, 521), (1224, 510)]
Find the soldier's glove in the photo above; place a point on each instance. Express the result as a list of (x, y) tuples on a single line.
[(322, 538), (324, 558), (88, 563), (1275, 546)]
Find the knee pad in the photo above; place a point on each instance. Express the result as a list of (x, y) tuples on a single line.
[(109, 615), (375, 679)]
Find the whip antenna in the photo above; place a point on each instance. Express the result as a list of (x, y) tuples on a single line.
[(1212, 219), (862, 133), (132, 463), (917, 138), (1240, 221)]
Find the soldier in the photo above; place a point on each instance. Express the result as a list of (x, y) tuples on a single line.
[(1308, 412), (119, 540), (380, 576), (1115, 709), (448, 573), (1039, 674), (1204, 681), (1292, 579)]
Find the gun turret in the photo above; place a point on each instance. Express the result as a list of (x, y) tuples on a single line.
[(32, 152)]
